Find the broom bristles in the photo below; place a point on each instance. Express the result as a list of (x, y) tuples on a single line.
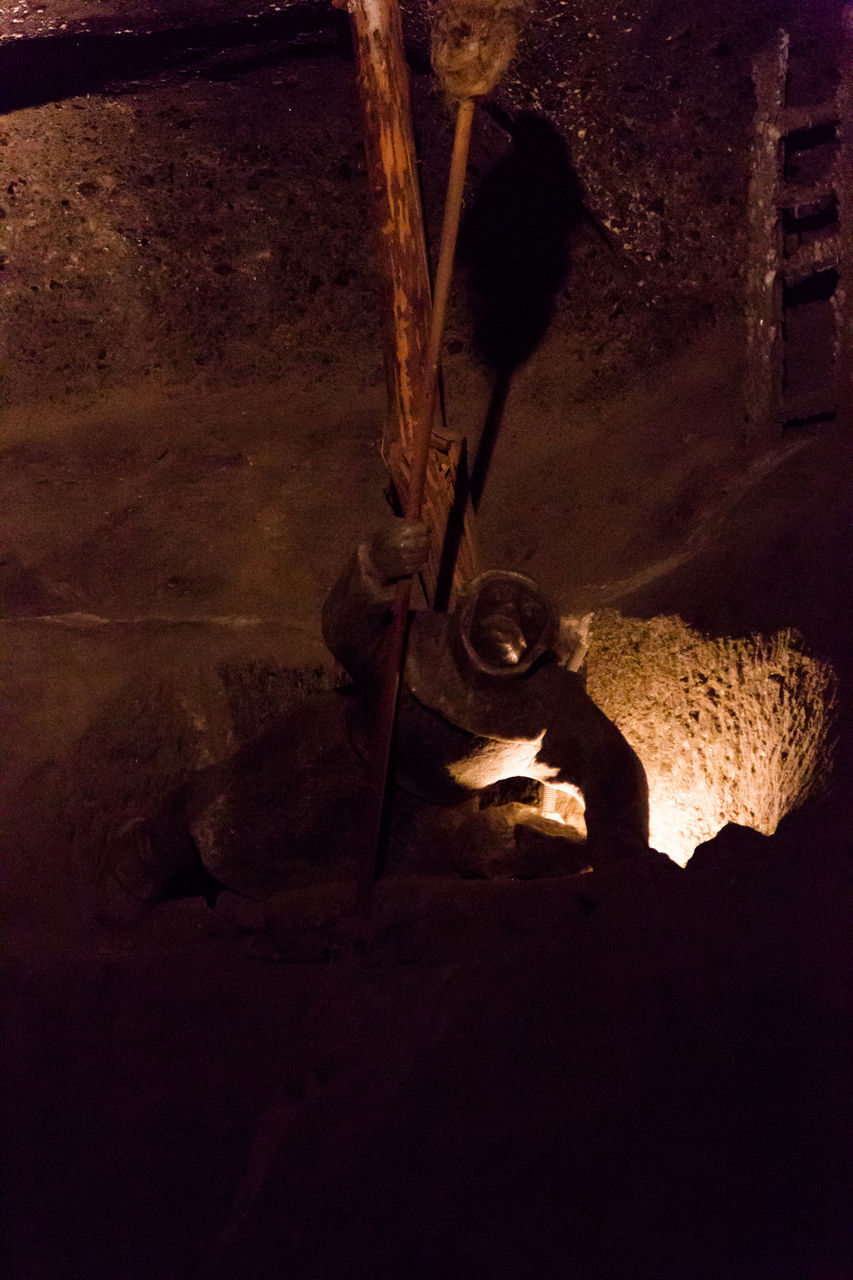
[(473, 42)]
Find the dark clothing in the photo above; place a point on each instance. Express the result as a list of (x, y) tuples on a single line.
[(459, 731)]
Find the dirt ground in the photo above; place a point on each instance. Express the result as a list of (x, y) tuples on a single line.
[(623, 1074)]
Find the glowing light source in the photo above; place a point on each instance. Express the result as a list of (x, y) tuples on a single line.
[(564, 806), (730, 729)]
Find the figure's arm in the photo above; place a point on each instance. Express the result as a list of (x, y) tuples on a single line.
[(588, 750), (356, 609)]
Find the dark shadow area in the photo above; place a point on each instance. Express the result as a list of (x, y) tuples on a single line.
[(514, 242), (594, 1079), (192, 882), (514, 250), (818, 287), (810, 153), (819, 216), (50, 68), (810, 420)]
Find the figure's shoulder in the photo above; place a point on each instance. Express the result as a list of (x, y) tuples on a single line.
[(555, 685), (553, 672)]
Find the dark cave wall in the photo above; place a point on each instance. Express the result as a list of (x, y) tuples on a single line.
[(206, 222), (192, 231)]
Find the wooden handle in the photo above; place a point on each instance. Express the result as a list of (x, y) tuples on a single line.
[(395, 652), (441, 292)]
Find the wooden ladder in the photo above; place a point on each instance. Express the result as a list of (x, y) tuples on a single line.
[(800, 344)]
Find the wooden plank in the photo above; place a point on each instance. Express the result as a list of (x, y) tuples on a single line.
[(384, 95)]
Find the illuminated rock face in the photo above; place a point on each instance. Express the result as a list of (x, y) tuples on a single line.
[(729, 729)]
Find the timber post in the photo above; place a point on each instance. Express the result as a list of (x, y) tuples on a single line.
[(384, 95)]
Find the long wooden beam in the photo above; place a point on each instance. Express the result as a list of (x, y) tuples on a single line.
[(384, 95)]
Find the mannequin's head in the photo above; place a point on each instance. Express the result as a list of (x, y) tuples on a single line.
[(505, 623)]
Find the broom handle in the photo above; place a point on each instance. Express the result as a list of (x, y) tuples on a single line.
[(444, 271), (395, 651)]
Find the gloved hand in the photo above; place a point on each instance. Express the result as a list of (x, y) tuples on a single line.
[(399, 550)]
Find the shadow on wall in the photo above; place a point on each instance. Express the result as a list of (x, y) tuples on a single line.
[(514, 250), (514, 242)]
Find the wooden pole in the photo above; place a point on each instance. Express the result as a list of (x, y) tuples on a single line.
[(395, 651), (425, 481), (383, 88), (449, 233)]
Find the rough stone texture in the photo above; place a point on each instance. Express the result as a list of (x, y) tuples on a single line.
[(730, 729), (193, 377), (172, 236), (176, 190)]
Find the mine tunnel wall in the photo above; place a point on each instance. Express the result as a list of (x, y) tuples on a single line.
[(192, 374)]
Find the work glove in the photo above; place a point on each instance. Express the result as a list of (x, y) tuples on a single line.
[(399, 550)]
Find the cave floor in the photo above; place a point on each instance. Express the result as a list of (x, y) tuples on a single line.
[(639, 1072)]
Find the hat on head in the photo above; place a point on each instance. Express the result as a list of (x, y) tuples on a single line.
[(500, 594)]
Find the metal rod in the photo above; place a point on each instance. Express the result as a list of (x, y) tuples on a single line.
[(441, 292)]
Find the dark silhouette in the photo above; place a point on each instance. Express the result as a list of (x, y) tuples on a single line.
[(514, 250), (49, 68), (514, 242)]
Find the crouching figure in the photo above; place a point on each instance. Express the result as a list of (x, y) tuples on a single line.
[(487, 693)]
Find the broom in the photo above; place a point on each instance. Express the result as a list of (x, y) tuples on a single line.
[(472, 43)]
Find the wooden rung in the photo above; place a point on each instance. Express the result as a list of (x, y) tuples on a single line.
[(820, 255), (793, 119), (790, 197)]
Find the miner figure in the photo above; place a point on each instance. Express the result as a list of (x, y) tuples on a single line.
[(488, 693)]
